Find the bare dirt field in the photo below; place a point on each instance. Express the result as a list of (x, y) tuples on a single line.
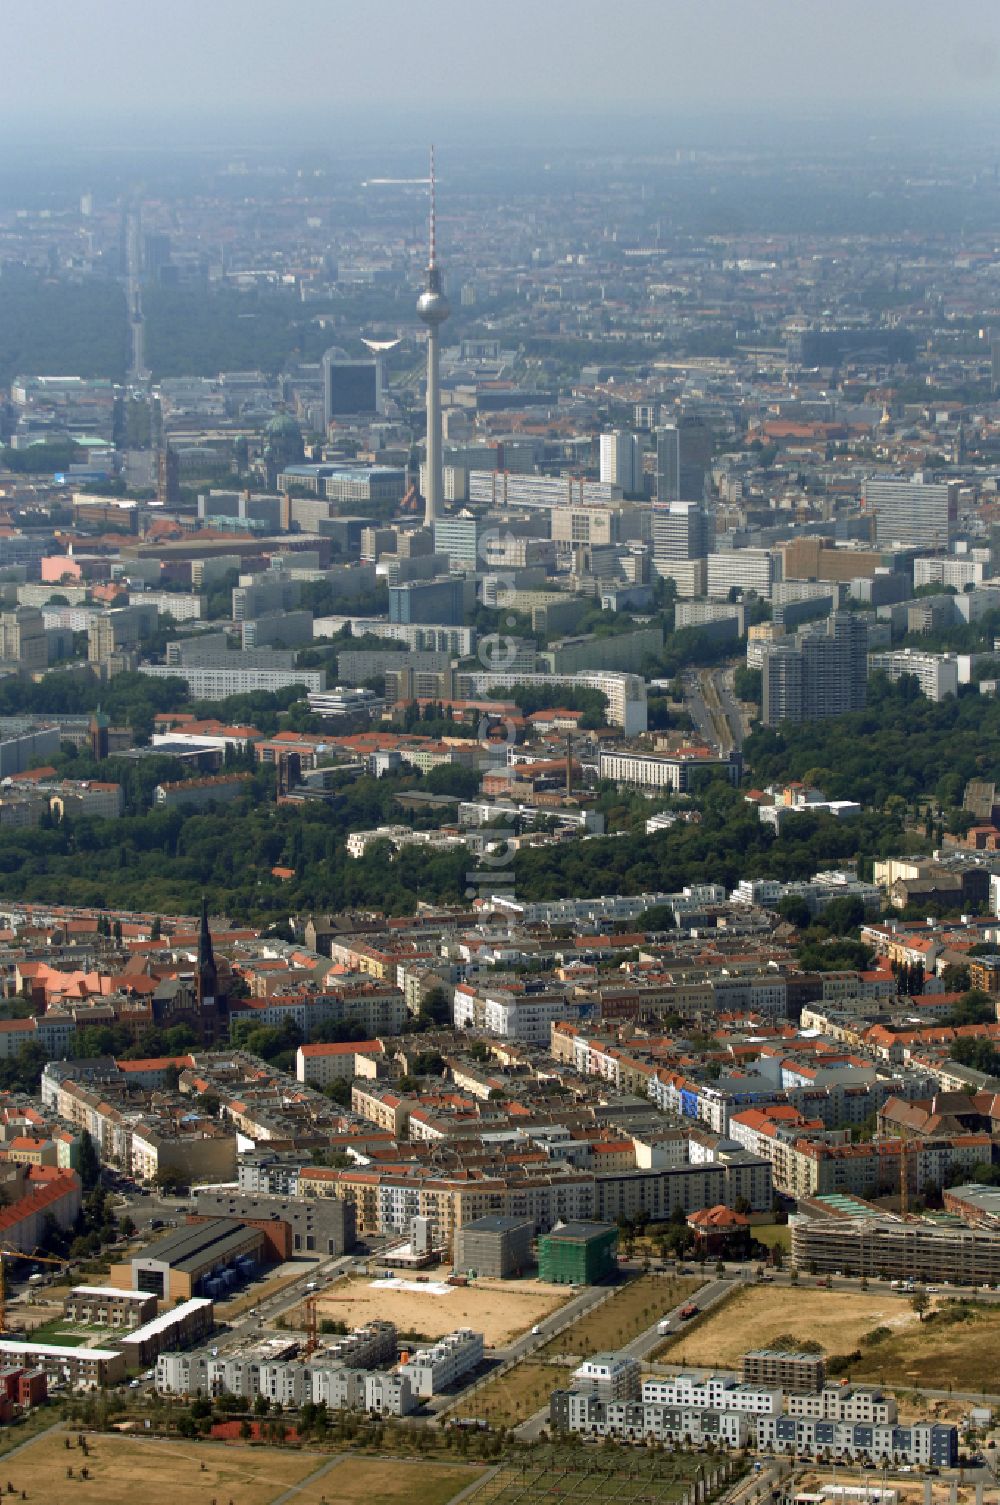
[(359, 1481), (500, 1309), (124, 1469), (754, 1316)]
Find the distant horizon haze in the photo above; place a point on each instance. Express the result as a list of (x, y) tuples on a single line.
[(105, 73)]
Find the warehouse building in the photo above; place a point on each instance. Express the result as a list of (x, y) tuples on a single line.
[(578, 1254), (209, 1258), (496, 1247)]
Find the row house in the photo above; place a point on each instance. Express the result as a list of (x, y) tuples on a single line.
[(873, 1168)]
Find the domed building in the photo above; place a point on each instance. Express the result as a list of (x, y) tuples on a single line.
[(283, 443), (283, 446)]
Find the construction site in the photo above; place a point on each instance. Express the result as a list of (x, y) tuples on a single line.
[(428, 1305)]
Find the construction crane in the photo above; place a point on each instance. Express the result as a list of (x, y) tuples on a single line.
[(8, 1253)]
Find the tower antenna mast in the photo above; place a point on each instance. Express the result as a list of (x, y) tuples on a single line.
[(432, 260), (433, 308)]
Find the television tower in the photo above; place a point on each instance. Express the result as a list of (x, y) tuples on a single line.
[(433, 309)]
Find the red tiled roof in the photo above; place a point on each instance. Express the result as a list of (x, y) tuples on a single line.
[(45, 1191)]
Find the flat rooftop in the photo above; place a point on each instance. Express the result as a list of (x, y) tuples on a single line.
[(495, 1224), (580, 1231), (110, 1291)]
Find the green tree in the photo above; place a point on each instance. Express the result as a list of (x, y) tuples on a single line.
[(89, 1162)]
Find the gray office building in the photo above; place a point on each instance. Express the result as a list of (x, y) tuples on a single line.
[(680, 531), (668, 463), (350, 387), (320, 1225), (913, 514), (439, 600), (695, 439), (494, 1246)]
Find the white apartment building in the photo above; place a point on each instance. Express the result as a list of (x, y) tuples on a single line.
[(711, 1392), (744, 569), (845, 1403), (661, 771), (609, 1376), (937, 672), (181, 605), (958, 573), (219, 684), (431, 1370), (388, 1394), (319, 1065), (626, 693)]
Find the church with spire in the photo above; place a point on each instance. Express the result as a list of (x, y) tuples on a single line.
[(199, 1000)]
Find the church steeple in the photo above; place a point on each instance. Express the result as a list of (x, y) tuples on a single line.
[(208, 975)]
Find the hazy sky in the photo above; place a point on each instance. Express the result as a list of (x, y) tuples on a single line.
[(89, 60)]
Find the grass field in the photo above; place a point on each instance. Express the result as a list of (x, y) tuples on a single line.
[(359, 1481), (60, 1331), (773, 1234), (124, 1470), (514, 1396), (630, 1311), (754, 1316), (946, 1349), (499, 1309), (552, 1476)]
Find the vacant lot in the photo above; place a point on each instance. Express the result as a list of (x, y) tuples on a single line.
[(956, 1348), (514, 1396), (359, 1481), (500, 1309), (630, 1311), (124, 1469), (754, 1316)]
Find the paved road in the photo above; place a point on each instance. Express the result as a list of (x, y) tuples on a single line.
[(723, 680), (291, 1494), (698, 710), (709, 1296)]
